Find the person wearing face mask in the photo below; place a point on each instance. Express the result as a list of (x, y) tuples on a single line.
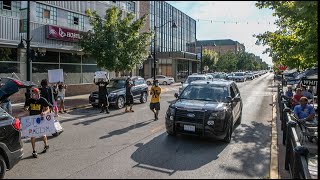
[(37, 105), (155, 92)]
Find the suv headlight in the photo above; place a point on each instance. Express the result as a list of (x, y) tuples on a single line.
[(171, 111), (218, 115), (112, 94)]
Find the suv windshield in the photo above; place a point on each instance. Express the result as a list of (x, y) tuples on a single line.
[(219, 76), (116, 83), (191, 79), (205, 93)]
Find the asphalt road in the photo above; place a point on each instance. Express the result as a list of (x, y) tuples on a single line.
[(133, 145)]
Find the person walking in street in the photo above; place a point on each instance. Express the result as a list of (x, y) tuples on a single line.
[(61, 95), (155, 91), (103, 95), (129, 95), (37, 105)]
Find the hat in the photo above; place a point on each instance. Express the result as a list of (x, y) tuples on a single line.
[(35, 90), (155, 81)]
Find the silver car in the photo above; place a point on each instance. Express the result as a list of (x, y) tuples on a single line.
[(194, 77)]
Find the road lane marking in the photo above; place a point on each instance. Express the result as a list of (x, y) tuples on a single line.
[(157, 128)]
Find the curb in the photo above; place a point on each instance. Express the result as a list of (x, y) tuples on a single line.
[(274, 169)]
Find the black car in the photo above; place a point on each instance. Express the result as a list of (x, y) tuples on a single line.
[(206, 108), (117, 92), (11, 148)]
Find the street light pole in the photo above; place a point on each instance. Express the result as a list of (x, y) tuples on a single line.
[(28, 44), (154, 53), (201, 60)]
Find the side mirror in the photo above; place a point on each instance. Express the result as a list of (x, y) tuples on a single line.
[(176, 95), (237, 99), (228, 99)]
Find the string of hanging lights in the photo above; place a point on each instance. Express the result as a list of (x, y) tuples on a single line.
[(233, 22)]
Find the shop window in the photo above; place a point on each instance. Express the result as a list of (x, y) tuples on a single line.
[(6, 5), (46, 14)]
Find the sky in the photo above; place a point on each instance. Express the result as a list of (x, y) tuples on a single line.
[(242, 20)]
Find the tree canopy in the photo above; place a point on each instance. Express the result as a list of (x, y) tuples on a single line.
[(295, 42), (115, 41)]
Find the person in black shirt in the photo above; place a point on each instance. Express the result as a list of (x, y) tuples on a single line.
[(37, 105), (129, 95), (46, 92), (103, 93)]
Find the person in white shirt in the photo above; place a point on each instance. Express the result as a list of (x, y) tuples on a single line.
[(61, 95)]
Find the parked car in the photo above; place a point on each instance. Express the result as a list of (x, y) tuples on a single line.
[(117, 92), (191, 78), (250, 76), (11, 148), (220, 76), (205, 108), (230, 76), (239, 76), (162, 80)]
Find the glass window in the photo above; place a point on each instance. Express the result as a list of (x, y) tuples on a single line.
[(6, 5), (49, 56), (70, 58), (43, 68), (88, 59), (90, 68), (232, 92), (46, 14), (75, 21), (71, 68), (131, 6)]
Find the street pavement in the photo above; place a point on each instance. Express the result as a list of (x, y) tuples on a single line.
[(133, 145)]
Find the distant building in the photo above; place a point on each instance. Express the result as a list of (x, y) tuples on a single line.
[(221, 46)]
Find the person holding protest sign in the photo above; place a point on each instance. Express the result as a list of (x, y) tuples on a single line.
[(103, 94), (37, 105)]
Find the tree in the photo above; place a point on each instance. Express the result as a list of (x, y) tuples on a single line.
[(209, 58), (115, 42), (227, 62), (295, 42)]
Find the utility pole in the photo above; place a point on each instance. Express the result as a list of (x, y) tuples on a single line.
[(201, 60)]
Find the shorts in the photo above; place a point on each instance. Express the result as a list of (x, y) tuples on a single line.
[(60, 98), (129, 99), (155, 106)]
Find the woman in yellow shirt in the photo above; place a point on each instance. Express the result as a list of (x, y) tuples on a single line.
[(155, 99)]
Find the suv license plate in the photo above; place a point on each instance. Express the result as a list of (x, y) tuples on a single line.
[(189, 128)]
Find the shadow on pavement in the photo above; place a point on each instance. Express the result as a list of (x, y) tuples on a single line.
[(256, 133), (168, 154), (127, 129), (88, 122)]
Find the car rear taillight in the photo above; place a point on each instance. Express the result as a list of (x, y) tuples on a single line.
[(16, 124), (20, 84)]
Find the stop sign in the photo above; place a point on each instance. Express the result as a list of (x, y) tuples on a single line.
[(282, 67)]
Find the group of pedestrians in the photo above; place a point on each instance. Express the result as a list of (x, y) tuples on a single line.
[(303, 111), (154, 92)]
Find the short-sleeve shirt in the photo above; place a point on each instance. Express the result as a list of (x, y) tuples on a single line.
[(303, 112), (296, 97), (155, 97), (128, 88), (289, 94), (36, 106), (306, 94)]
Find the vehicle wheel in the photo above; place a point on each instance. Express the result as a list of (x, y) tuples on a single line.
[(227, 139), (120, 102), (171, 133), (3, 167), (148, 82), (144, 97), (165, 83)]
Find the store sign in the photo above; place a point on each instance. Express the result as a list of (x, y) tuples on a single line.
[(309, 82), (62, 34)]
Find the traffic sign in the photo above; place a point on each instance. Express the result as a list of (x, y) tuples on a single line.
[(282, 67)]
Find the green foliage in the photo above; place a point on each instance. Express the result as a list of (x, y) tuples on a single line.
[(116, 42), (227, 62), (210, 59), (5, 54), (295, 42)]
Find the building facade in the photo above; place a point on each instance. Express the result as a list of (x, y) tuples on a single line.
[(174, 47), (222, 46), (55, 28)]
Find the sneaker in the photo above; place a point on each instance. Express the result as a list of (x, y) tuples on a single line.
[(35, 154), (108, 112), (65, 111), (101, 111), (45, 149), (131, 110), (60, 111), (155, 117)]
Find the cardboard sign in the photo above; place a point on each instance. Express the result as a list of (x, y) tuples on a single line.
[(55, 75), (101, 76), (309, 82), (33, 126)]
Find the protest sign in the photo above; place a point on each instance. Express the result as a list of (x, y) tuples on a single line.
[(33, 126), (55, 75)]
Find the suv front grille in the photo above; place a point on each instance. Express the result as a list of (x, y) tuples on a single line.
[(184, 116)]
